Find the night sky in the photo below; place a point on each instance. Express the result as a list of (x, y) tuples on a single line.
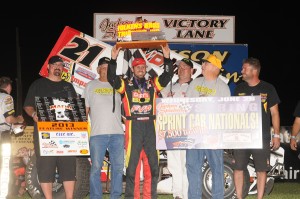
[(269, 30)]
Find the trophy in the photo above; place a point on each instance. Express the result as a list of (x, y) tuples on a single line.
[(141, 34)]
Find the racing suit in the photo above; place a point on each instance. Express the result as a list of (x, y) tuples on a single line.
[(140, 107), (143, 171)]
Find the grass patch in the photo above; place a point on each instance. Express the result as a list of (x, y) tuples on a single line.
[(281, 190)]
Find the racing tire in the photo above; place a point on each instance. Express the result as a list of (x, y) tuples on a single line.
[(81, 187), (33, 186), (229, 188)]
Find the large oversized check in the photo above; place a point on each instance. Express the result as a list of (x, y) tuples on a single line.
[(209, 123)]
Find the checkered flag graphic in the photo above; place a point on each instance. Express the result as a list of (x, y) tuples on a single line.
[(129, 56), (187, 107), (52, 143)]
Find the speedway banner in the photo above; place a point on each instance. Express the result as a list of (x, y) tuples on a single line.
[(209, 123), (62, 126)]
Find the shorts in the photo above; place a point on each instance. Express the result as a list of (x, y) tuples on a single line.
[(46, 168), (261, 158)]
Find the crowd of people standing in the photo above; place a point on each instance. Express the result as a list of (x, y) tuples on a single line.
[(112, 101)]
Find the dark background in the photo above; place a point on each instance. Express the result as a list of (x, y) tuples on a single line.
[(269, 29)]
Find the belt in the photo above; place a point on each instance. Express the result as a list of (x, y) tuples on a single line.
[(149, 117)]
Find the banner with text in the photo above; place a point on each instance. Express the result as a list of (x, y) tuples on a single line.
[(209, 123), (177, 28), (82, 52), (231, 56), (62, 126)]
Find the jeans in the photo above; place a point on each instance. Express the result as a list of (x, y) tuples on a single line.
[(98, 146), (194, 162)]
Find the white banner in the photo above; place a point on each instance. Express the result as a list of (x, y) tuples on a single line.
[(209, 123), (177, 28)]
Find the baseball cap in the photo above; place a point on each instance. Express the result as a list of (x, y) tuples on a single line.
[(138, 61), (55, 59), (214, 61), (188, 62), (103, 60)]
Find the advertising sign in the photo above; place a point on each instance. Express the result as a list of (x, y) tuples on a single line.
[(209, 123), (231, 56), (62, 126), (177, 28), (82, 52)]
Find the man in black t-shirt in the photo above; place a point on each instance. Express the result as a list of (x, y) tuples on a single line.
[(52, 86), (252, 85)]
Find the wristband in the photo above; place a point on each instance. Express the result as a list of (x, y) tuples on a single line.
[(293, 137), (33, 114), (276, 135)]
